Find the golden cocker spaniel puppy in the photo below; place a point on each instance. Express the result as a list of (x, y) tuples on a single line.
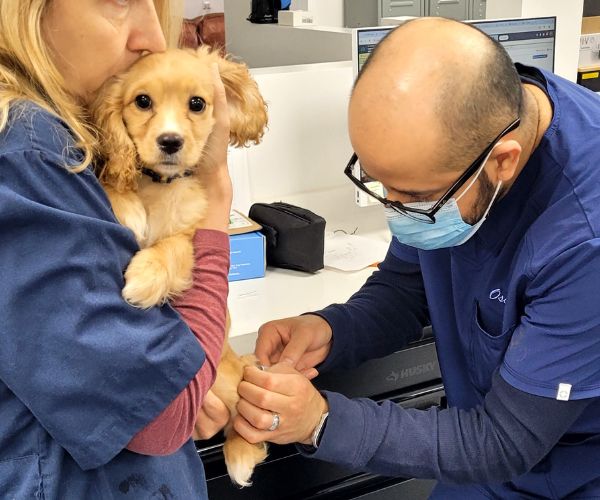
[(155, 120)]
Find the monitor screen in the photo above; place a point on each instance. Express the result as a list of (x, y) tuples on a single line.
[(527, 41), (366, 40)]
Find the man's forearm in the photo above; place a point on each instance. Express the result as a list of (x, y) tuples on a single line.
[(495, 442), (384, 315)]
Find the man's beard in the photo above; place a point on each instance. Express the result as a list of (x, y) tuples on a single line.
[(484, 198)]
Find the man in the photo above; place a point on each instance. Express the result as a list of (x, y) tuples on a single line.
[(493, 199)]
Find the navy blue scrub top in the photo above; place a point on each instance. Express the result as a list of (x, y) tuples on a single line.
[(81, 371), (523, 295)]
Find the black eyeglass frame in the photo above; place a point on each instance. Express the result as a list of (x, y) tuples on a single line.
[(429, 213)]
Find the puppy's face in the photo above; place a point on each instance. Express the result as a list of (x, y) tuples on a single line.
[(168, 110), (160, 114)]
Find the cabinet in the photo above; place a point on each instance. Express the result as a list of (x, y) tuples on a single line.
[(358, 13), (395, 8), (477, 9), (456, 9)]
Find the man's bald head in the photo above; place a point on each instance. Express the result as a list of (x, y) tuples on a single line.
[(440, 84)]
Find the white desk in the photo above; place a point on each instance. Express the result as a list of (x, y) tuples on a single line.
[(282, 293)]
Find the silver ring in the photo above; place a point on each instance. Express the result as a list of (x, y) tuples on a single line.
[(275, 423)]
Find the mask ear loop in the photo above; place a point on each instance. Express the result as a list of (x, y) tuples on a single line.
[(492, 202), (495, 192), (477, 174)]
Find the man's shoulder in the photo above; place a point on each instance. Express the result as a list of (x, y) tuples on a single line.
[(563, 230)]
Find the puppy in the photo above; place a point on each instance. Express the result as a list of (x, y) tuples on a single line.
[(155, 120)]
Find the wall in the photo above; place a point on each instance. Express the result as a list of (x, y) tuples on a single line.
[(327, 12), (568, 26), (304, 152), (265, 45), (194, 8), (497, 9)]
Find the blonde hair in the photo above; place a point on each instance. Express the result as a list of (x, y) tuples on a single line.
[(27, 71)]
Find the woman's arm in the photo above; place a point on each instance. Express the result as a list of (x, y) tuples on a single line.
[(203, 308)]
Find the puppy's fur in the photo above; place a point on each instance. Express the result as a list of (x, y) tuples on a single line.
[(158, 116)]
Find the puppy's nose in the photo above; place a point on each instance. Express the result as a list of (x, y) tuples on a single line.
[(170, 143)]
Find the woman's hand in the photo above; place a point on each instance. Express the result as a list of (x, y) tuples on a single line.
[(302, 341), (283, 391), (212, 417), (214, 172)]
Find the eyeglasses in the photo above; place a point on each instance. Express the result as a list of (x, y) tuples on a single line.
[(428, 216)]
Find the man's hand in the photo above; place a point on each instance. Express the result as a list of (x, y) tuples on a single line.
[(212, 417), (302, 342), (283, 391)]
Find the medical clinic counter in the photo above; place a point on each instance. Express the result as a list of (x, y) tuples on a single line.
[(282, 293)]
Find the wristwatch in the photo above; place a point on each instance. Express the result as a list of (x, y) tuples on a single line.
[(318, 432)]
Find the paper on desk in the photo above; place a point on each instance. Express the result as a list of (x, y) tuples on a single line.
[(349, 252)]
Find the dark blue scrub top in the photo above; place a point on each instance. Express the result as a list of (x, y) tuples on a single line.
[(523, 295), (81, 372)]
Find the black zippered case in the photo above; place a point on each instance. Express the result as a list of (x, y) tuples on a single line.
[(295, 236)]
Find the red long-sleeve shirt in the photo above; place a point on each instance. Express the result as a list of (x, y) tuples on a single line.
[(203, 307)]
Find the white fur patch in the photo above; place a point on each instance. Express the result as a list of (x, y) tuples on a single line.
[(170, 123)]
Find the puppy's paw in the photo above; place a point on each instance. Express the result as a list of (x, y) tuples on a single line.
[(241, 458), (146, 281)]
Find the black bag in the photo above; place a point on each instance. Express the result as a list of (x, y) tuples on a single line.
[(295, 236), (266, 11)]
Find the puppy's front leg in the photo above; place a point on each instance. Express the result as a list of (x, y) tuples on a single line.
[(160, 272), (130, 212), (241, 457)]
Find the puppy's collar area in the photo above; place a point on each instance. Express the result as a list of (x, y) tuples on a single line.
[(164, 179)]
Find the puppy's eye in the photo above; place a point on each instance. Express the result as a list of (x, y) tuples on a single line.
[(143, 102), (197, 104)]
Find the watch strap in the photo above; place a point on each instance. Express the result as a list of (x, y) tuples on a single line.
[(317, 433)]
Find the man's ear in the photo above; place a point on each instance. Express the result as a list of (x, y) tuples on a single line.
[(507, 154), (120, 168), (247, 109)]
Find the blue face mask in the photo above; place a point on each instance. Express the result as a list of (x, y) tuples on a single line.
[(449, 229)]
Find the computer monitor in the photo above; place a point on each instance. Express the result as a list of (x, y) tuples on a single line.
[(364, 42), (529, 41)]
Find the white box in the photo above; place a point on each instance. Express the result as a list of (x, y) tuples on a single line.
[(296, 18)]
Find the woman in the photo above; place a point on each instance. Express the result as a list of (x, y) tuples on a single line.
[(97, 398)]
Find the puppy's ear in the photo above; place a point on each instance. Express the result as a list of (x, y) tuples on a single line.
[(119, 170), (247, 108)]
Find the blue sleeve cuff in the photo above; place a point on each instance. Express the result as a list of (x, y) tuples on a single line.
[(336, 318), (346, 418)]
